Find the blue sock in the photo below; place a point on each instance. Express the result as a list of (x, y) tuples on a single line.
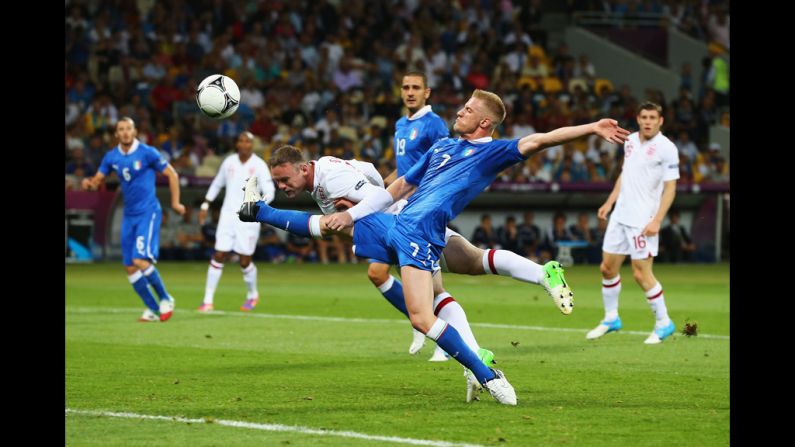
[(153, 278), (392, 290), (141, 287), (296, 222), (450, 340)]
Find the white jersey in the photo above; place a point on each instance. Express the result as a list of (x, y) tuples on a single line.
[(336, 179), (646, 167), (233, 174)]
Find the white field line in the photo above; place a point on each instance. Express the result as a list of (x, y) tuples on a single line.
[(273, 427), (101, 310)]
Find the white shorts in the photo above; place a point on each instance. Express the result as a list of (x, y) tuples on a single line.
[(237, 236), (621, 239)]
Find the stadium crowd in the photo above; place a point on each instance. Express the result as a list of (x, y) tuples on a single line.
[(326, 79)]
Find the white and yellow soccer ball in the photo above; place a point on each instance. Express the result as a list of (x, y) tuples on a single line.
[(218, 96)]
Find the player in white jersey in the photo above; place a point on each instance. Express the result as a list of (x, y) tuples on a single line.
[(232, 235), (642, 195)]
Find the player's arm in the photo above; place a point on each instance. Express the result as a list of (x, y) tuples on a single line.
[(215, 187), (668, 194), (390, 178), (173, 186), (401, 189), (93, 182), (605, 209), (370, 198), (606, 128), (265, 182)]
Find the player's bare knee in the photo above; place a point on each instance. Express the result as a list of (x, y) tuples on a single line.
[(421, 322), (245, 261), (219, 257), (607, 270), (141, 264), (377, 274)]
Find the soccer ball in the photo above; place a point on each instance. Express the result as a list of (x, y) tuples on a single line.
[(218, 96)]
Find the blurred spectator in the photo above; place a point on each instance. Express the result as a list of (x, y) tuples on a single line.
[(189, 237), (508, 236), (529, 236), (558, 232), (686, 147), (581, 231), (299, 248), (484, 236), (675, 242), (270, 247), (79, 166)]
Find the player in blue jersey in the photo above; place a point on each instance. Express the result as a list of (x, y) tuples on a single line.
[(441, 184), (136, 165), (414, 134)]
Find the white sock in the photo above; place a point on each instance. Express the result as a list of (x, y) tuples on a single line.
[(611, 288), (508, 263), (448, 309), (214, 272), (250, 278), (314, 226), (657, 303)]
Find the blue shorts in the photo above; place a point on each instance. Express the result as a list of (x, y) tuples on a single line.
[(414, 250), (140, 236), (369, 238)]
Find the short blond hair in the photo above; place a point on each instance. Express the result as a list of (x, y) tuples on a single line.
[(494, 105)]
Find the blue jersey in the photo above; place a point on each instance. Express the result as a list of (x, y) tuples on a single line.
[(136, 170), (449, 176), (413, 137)]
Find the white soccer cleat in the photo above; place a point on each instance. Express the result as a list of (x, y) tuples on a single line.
[(417, 343), (500, 389), (660, 334), (166, 308), (439, 355), (603, 328), (251, 191), (148, 316), (473, 387)]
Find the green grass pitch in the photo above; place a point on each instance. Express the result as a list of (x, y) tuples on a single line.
[(349, 370)]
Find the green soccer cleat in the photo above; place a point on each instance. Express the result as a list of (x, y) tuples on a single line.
[(556, 286)]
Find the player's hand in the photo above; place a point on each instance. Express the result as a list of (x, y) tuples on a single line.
[(608, 129), (652, 228), (202, 216), (87, 184), (340, 221), (604, 210), (179, 208), (342, 204)]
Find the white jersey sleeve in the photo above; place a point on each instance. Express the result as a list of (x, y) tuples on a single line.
[(265, 181), (218, 182)]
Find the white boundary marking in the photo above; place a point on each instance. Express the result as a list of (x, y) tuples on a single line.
[(273, 427), (362, 320)]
